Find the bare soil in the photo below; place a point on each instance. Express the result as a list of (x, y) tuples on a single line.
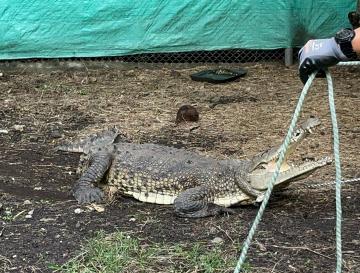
[(237, 120)]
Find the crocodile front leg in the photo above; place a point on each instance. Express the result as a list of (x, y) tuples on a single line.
[(195, 202), (84, 189)]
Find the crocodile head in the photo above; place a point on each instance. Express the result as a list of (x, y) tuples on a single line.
[(263, 165)]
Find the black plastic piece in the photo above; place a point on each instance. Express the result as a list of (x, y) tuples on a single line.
[(220, 75)]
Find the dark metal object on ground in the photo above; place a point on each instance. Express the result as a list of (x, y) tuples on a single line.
[(220, 75)]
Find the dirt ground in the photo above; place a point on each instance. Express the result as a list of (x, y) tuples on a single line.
[(39, 226)]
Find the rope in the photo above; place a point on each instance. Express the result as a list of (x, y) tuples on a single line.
[(349, 63), (280, 160), (337, 172), (275, 175)]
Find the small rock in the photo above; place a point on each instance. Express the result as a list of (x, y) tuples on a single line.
[(8, 212), (261, 246), (55, 134), (57, 236), (1, 74), (30, 214), (34, 138), (96, 207), (132, 219), (217, 240), (14, 256), (43, 229), (4, 131), (92, 79), (45, 220), (130, 73), (27, 202), (78, 210), (175, 73), (19, 128), (37, 188), (212, 230)]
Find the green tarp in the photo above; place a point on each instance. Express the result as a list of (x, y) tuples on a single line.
[(84, 28)]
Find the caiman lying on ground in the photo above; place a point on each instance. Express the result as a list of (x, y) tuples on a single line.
[(197, 185)]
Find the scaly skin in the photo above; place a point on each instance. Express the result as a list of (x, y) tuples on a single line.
[(198, 186)]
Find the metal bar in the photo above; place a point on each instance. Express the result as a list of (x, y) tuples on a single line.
[(289, 60)]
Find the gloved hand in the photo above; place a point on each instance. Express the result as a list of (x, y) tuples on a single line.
[(317, 55)]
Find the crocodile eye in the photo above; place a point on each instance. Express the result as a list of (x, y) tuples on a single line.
[(261, 166)]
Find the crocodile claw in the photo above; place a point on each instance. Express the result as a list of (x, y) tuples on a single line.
[(260, 198), (88, 195), (226, 211), (326, 160)]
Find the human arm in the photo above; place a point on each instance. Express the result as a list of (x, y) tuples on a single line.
[(356, 41), (319, 54)]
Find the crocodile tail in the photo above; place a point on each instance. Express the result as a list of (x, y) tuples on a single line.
[(94, 141)]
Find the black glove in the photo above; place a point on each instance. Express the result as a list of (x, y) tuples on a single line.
[(317, 55)]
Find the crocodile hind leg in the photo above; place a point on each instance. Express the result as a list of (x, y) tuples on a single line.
[(194, 203), (84, 189)]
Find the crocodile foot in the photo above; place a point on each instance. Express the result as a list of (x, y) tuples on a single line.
[(194, 203), (88, 195)]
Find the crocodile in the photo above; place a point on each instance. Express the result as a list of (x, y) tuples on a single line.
[(196, 185)]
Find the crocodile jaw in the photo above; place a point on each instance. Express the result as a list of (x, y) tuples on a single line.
[(259, 178), (270, 156)]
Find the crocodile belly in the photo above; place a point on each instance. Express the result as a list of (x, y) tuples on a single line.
[(229, 200)]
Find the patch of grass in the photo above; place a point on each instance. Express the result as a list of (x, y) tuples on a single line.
[(8, 216), (120, 253), (83, 92)]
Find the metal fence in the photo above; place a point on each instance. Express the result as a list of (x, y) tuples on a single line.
[(216, 56)]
